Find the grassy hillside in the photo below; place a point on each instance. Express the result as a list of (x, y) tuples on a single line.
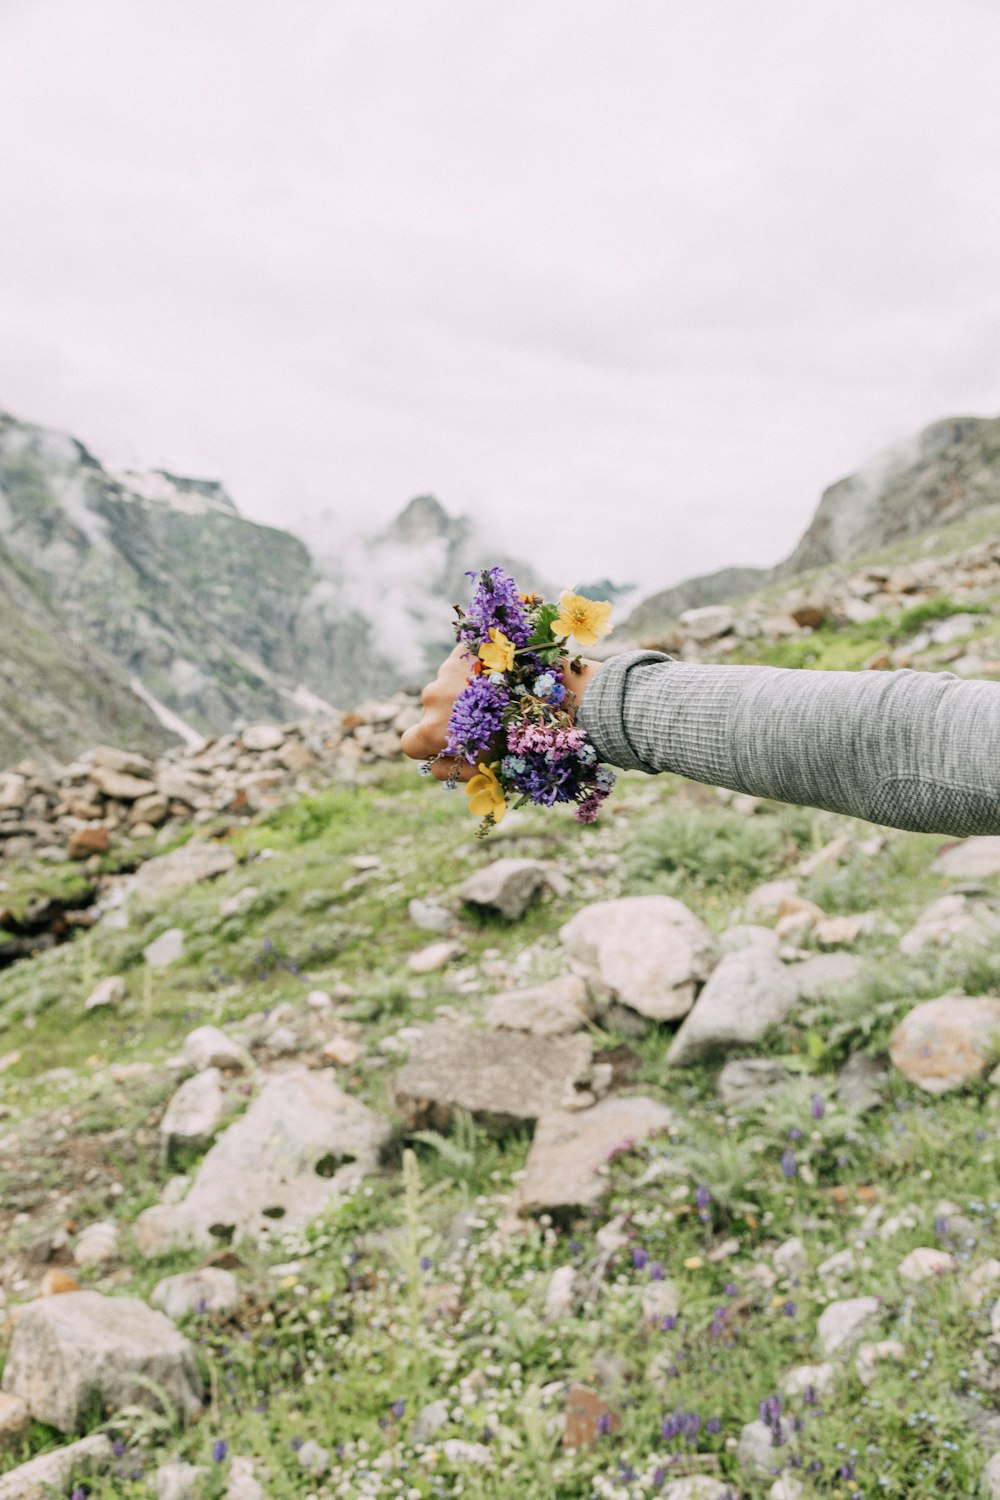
[(390, 1302)]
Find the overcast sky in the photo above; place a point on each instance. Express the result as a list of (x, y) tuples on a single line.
[(632, 279)]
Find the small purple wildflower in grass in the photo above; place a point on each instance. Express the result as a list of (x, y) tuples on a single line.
[(703, 1201), (795, 1134), (713, 1425), (604, 1423), (731, 1289), (981, 1135), (789, 1165), (658, 1478), (810, 1396), (640, 1258), (668, 1322), (656, 1271), (425, 1263), (296, 1443), (219, 1450), (79, 1493), (941, 1227), (202, 1306), (818, 1106), (789, 1309), (575, 1248), (626, 1473), (118, 1447), (397, 1408)]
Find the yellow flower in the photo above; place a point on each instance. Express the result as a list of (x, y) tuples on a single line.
[(498, 653), (694, 1263), (586, 620), (486, 794)]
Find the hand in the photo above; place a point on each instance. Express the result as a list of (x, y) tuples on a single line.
[(431, 735)]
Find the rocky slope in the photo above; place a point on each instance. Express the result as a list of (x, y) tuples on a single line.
[(604, 1162), (147, 607), (950, 470)]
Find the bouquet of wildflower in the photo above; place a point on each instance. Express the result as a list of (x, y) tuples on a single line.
[(511, 720)]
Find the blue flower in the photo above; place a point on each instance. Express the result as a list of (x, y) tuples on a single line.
[(219, 1450)]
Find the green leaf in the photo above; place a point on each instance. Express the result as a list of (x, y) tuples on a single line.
[(543, 625)]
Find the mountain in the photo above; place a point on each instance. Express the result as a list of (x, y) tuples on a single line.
[(416, 569), (947, 471), (140, 606)]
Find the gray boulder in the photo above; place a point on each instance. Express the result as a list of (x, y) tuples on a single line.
[(825, 975), (843, 1325), (195, 1111), (507, 886), (209, 1289), (208, 1047), (51, 1473), (67, 1350), (562, 1005), (180, 1481), (570, 1146), (651, 952), (973, 859), (749, 992), (169, 873), (945, 1043), (302, 1144), (501, 1077)]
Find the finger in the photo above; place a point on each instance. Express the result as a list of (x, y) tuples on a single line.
[(421, 740)]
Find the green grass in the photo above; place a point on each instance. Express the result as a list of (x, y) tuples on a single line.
[(436, 1294)]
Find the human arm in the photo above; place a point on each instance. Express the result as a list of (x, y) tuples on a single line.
[(906, 749)]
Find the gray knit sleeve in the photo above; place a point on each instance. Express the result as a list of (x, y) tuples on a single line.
[(907, 749)]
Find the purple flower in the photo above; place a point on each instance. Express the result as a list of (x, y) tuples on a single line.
[(789, 1165), (789, 1309), (219, 1450), (495, 604), (397, 1408), (713, 1425), (731, 1289), (476, 719), (604, 1423), (668, 1322), (79, 1493), (656, 1271), (118, 1447), (703, 1199), (818, 1106), (795, 1134), (425, 1263), (639, 1258)]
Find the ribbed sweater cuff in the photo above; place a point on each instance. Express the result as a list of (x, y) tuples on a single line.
[(602, 710)]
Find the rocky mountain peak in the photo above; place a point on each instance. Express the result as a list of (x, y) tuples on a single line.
[(423, 519)]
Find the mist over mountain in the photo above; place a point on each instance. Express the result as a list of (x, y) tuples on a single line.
[(139, 605), (950, 469)]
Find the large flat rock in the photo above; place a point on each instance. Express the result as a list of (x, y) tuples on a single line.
[(507, 886), (302, 1144), (747, 993), (169, 873), (50, 1473), (651, 952), (66, 1351), (570, 1145), (501, 1077), (974, 859), (945, 1043), (553, 1009)]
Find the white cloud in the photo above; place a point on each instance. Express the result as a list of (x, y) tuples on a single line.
[(635, 281)]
